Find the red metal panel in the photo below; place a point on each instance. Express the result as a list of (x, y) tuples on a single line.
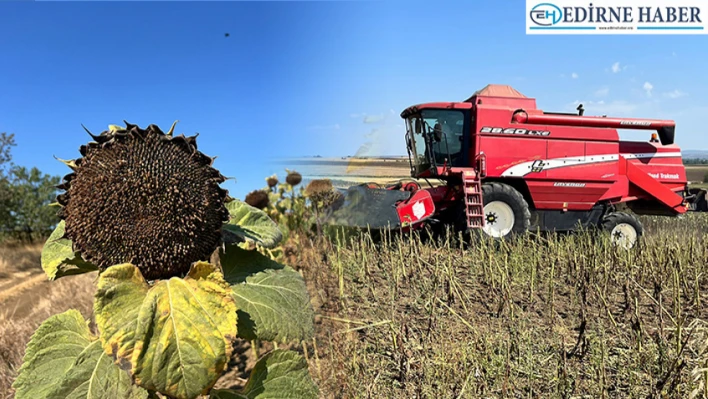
[(654, 189), (606, 171), (504, 152), (617, 191), (575, 150), (563, 195), (417, 209), (488, 116)]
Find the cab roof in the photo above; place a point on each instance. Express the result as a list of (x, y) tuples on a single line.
[(503, 95)]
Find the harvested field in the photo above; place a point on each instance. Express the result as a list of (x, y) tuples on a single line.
[(697, 173), (552, 317)]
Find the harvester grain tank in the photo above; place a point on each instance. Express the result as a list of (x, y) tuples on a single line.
[(507, 167)]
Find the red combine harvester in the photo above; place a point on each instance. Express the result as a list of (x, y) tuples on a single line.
[(509, 167)]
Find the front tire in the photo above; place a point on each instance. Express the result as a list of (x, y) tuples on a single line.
[(625, 229), (506, 212)]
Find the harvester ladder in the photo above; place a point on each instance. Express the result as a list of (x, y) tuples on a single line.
[(473, 200)]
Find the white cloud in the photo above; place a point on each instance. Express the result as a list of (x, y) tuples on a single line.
[(602, 92), (574, 75), (675, 94), (648, 87), (616, 67)]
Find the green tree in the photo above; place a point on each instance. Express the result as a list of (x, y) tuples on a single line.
[(7, 141), (32, 193), (25, 196)]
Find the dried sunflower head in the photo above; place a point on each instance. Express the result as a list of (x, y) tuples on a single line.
[(322, 192), (258, 199), (318, 186), (293, 178), (272, 181), (144, 197)]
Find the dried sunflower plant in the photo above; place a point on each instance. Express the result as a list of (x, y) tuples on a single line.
[(181, 277)]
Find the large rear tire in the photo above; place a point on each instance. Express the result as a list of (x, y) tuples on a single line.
[(506, 213), (625, 229)]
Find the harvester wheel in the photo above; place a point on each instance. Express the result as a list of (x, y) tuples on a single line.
[(701, 202), (506, 212), (625, 229)]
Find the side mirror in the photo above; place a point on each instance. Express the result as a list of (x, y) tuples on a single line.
[(418, 128)]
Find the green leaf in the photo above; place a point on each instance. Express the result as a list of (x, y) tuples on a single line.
[(279, 374), (95, 376), (251, 224), (274, 197), (174, 337), (64, 360), (272, 299), (239, 264), (59, 259)]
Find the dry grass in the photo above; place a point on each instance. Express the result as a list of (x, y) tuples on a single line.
[(18, 258), (554, 317), (22, 314), (27, 299)]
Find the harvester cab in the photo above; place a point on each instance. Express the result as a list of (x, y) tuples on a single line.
[(506, 167), (435, 137)]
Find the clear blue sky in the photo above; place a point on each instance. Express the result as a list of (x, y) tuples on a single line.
[(311, 78)]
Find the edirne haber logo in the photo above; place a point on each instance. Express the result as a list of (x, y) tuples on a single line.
[(617, 17)]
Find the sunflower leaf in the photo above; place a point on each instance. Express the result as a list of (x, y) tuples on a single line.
[(174, 337), (64, 360), (272, 299), (58, 258), (250, 224), (279, 374)]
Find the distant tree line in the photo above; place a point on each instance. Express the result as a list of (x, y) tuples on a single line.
[(25, 198), (695, 161)]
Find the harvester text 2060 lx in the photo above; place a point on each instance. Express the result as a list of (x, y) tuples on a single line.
[(508, 167)]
